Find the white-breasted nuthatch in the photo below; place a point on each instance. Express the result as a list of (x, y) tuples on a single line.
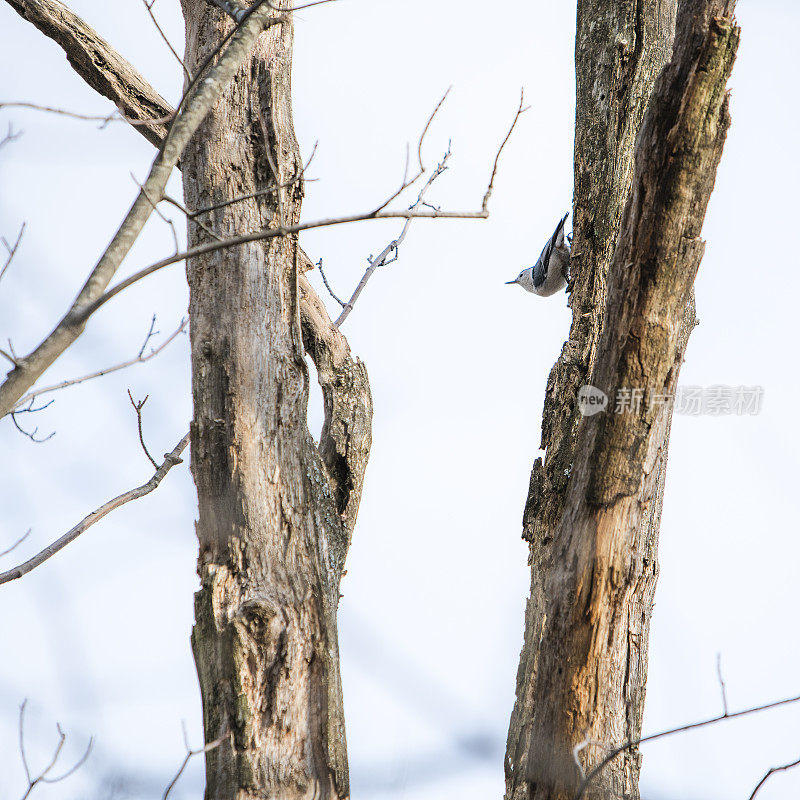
[(549, 274)]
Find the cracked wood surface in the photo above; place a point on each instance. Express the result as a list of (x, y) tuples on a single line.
[(594, 506), (275, 513)]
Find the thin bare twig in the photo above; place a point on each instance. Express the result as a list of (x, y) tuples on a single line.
[(61, 112), (137, 407), (770, 772), (104, 119), (16, 544), (170, 460), (408, 182), (8, 356), (149, 7), (30, 434), (12, 249), (11, 136), (43, 776), (270, 233), (672, 731), (328, 286), (158, 211), (520, 111), (191, 754), (182, 208), (150, 334), (722, 686), (393, 247), (140, 358)]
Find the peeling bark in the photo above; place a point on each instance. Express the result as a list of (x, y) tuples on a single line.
[(594, 507)]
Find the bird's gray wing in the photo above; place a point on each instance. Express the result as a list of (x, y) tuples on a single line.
[(542, 265)]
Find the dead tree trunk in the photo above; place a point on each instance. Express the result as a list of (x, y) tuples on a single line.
[(275, 512), (593, 509)]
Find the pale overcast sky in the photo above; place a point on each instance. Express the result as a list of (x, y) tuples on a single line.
[(431, 620)]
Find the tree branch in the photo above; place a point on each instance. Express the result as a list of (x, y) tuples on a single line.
[(381, 259), (43, 776), (98, 64), (200, 99), (269, 233), (11, 249), (170, 460), (140, 358), (770, 772), (682, 729), (190, 754), (16, 544), (346, 435)]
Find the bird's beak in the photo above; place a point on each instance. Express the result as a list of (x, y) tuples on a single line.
[(514, 281)]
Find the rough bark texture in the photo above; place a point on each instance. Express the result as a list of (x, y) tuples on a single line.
[(594, 506), (275, 513)]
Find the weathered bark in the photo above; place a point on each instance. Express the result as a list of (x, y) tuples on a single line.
[(275, 515), (594, 506), (98, 64)]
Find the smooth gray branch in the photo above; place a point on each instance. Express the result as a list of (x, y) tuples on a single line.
[(170, 460), (234, 10)]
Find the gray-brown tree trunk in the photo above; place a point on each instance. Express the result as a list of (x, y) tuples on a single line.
[(593, 510), (275, 513)]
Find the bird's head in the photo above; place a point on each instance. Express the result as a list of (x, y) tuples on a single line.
[(523, 279)]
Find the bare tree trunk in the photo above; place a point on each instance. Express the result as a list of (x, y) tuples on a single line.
[(275, 513), (594, 506)]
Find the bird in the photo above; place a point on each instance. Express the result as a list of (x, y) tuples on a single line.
[(550, 273)]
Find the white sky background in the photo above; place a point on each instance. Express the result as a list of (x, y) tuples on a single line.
[(431, 620)]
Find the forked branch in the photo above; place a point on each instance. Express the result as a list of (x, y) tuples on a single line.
[(170, 460), (44, 776)]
